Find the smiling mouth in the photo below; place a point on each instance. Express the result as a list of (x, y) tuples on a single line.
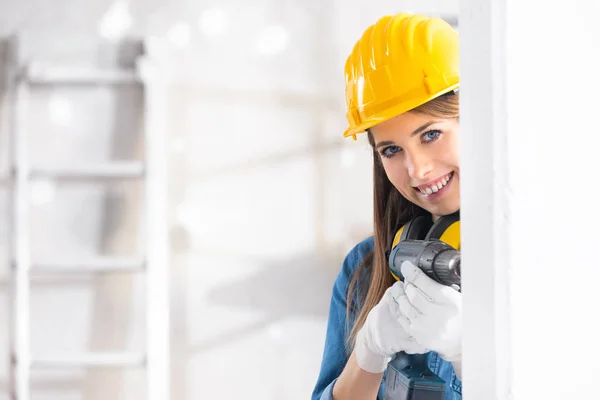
[(436, 186)]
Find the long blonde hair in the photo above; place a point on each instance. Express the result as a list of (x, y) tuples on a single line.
[(391, 211)]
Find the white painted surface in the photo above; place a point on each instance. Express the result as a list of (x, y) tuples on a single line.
[(530, 232)]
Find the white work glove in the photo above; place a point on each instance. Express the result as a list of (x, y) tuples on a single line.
[(433, 311), (383, 333)]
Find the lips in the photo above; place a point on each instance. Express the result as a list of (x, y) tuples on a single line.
[(435, 186)]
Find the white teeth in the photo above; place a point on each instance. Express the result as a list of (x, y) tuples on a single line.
[(435, 188)]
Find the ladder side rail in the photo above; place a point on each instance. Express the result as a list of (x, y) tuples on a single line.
[(156, 232), (21, 243)]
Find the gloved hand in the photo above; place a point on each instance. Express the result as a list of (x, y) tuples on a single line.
[(433, 311), (383, 334)]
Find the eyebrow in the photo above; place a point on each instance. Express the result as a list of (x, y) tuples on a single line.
[(415, 132)]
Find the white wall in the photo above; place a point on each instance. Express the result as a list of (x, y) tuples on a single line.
[(266, 197), (529, 222)]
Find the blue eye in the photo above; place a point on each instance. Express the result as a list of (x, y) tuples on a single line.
[(431, 136), (389, 151)]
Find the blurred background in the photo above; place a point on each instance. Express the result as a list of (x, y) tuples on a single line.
[(262, 197)]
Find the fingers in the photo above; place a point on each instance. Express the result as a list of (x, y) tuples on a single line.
[(430, 290), (419, 299), (414, 323), (412, 274), (404, 312), (418, 312)]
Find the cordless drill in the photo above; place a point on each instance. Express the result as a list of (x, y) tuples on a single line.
[(409, 376), (439, 260)]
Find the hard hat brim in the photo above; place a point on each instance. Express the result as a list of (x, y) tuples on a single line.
[(394, 111)]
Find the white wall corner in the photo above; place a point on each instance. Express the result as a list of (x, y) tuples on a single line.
[(485, 208), (530, 150)]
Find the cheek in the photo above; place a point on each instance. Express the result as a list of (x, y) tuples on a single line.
[(453, 157), (397, 174)]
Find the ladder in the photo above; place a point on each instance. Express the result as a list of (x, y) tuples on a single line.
[(21, 79)]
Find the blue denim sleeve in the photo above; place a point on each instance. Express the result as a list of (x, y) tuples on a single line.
[(335, 353), (327, 393)]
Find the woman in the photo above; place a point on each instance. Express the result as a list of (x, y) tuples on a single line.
[(402, 89)]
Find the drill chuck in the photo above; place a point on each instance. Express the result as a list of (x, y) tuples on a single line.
[(440, 261)]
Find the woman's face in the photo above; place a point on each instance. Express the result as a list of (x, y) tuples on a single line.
[(420, 156)]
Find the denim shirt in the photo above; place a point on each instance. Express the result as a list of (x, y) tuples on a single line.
[(335, 354)]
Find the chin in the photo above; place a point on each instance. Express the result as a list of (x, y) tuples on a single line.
[(445, 211), (447, 206), (441, 209)]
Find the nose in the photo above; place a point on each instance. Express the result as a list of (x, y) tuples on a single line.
[(418, 164)]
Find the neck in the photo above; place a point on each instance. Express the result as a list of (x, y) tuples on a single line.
[(436, 217)]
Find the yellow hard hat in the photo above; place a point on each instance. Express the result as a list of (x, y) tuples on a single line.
[(399, 63)]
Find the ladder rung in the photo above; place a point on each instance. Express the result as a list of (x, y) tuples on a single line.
[(42, 74), (93, 360), (112, 170), (96, 265)]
